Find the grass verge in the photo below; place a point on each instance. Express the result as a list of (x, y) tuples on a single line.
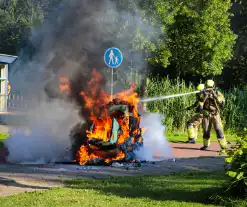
[(183, 137), (171, 137), (185, 190)]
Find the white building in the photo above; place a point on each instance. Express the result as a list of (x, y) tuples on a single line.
[(5, 61)]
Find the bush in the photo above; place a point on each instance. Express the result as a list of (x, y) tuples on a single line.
[(234, 112), (236, 167), (174, 108)]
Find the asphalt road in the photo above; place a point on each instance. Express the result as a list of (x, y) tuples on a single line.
[(23, 178)]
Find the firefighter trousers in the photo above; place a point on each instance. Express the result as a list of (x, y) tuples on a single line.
[(193, 126), (209, 121)]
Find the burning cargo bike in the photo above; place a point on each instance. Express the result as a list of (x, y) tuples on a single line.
[(115, 135)]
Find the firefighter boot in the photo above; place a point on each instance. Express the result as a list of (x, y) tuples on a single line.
[(191, 141), (191, 134), (223, 145), (206, 143)]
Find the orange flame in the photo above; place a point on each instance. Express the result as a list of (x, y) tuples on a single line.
[(102, 129), (84, 155), (64, 85), (95, 97), (96, 100)]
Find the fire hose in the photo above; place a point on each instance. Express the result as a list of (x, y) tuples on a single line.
[(144, 100)]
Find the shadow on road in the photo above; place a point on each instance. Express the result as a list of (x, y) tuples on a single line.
[(191, 148), (13, 183)]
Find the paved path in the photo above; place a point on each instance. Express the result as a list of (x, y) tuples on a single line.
[(179, 150), (21, 178), (184, 150)]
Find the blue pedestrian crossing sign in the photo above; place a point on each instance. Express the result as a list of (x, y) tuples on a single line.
[(113, 57)]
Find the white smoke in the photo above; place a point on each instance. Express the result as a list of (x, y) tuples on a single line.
[(46, 137), (155, 145)]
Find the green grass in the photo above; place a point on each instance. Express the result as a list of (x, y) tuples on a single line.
[(3, 136), (183, 137), (183, 190)]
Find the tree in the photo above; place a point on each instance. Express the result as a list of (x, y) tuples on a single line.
[(17, 17), (160, 14), (196, 37), (236, 68)]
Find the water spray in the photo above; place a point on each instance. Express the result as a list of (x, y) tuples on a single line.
[(144, 100)]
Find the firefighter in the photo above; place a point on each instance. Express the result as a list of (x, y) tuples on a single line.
[(194, 122), (213, 99)]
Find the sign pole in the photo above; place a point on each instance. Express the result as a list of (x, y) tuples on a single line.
[(111, 83)]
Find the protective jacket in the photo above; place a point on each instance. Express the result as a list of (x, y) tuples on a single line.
[(212, 101), (198, 104)]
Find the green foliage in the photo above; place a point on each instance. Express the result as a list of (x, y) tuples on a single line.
[(233, 112), (235, 109), (191, 37), (236, 68), (3, 136), (209, 43), (180, 137), (17, 17), (195, 36), (183, 189), (174, 108), (159, 15), (237, 166)]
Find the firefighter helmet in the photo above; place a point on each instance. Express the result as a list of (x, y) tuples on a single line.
[(210, 83), (200, 87)]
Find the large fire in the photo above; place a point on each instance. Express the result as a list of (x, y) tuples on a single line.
[(115, 133)]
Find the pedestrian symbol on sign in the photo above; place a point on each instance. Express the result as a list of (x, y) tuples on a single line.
[(116, 60), (111, 56)]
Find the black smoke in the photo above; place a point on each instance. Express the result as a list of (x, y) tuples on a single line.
[(82, 34), (71, 42)]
